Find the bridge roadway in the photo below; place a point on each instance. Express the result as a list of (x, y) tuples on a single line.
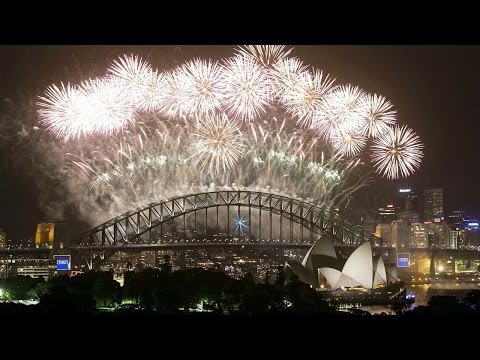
[(4, 253), (46, 253), (263, 245)]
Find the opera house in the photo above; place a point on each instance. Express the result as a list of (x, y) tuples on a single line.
[(362, 278)]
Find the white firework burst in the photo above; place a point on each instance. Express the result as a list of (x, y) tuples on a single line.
[(285, 73), (247, 88), (397, 152), (266, 55), (61, 111), (341, 108), (303, 98), (202, 88), (109, 108), (152, 95), (348, 143), (378, 115), (174, 86), (133, 74), (217, 147)]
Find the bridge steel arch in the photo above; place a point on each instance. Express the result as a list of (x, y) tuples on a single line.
[(131, 227)]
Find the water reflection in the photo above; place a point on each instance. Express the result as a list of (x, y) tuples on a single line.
[(423, 292)]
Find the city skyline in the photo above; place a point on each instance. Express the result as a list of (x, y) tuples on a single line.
[(438, 107)]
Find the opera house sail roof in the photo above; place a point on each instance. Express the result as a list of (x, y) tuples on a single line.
[(361, 269)]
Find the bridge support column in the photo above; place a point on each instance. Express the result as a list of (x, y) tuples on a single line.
[(260, 224)]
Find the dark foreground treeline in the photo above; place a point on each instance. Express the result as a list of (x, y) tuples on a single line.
[(191, 292), (163, 291)]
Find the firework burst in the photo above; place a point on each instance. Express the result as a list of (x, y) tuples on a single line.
[(246, 87), (109, 108), (340, 110), (173, 102), (303, 98), (217, 148), (378, 115), (284, 75), (202, 91), (133, 74), (62, 109), (348, 143), (153, 96), (397, 152), (266, 55)]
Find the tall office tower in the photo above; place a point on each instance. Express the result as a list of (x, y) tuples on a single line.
[(453, 239), (419, 235), (408, 206), (433, 205), (3, 239)]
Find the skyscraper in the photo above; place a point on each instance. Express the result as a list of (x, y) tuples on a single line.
[(433, 205), (408, 206), (419, 235)]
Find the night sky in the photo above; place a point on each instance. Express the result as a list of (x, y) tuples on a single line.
[(435, 90)]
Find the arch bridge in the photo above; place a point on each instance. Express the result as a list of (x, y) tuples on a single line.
[(206, 218)]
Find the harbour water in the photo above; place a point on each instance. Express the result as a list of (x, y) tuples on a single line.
[(423, 292)]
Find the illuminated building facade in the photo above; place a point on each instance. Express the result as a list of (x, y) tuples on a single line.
[(45, 235), (432, 235), (34, 268), (362, 278), (433, 205), (453, 239), (55, 236), (419, 235)]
